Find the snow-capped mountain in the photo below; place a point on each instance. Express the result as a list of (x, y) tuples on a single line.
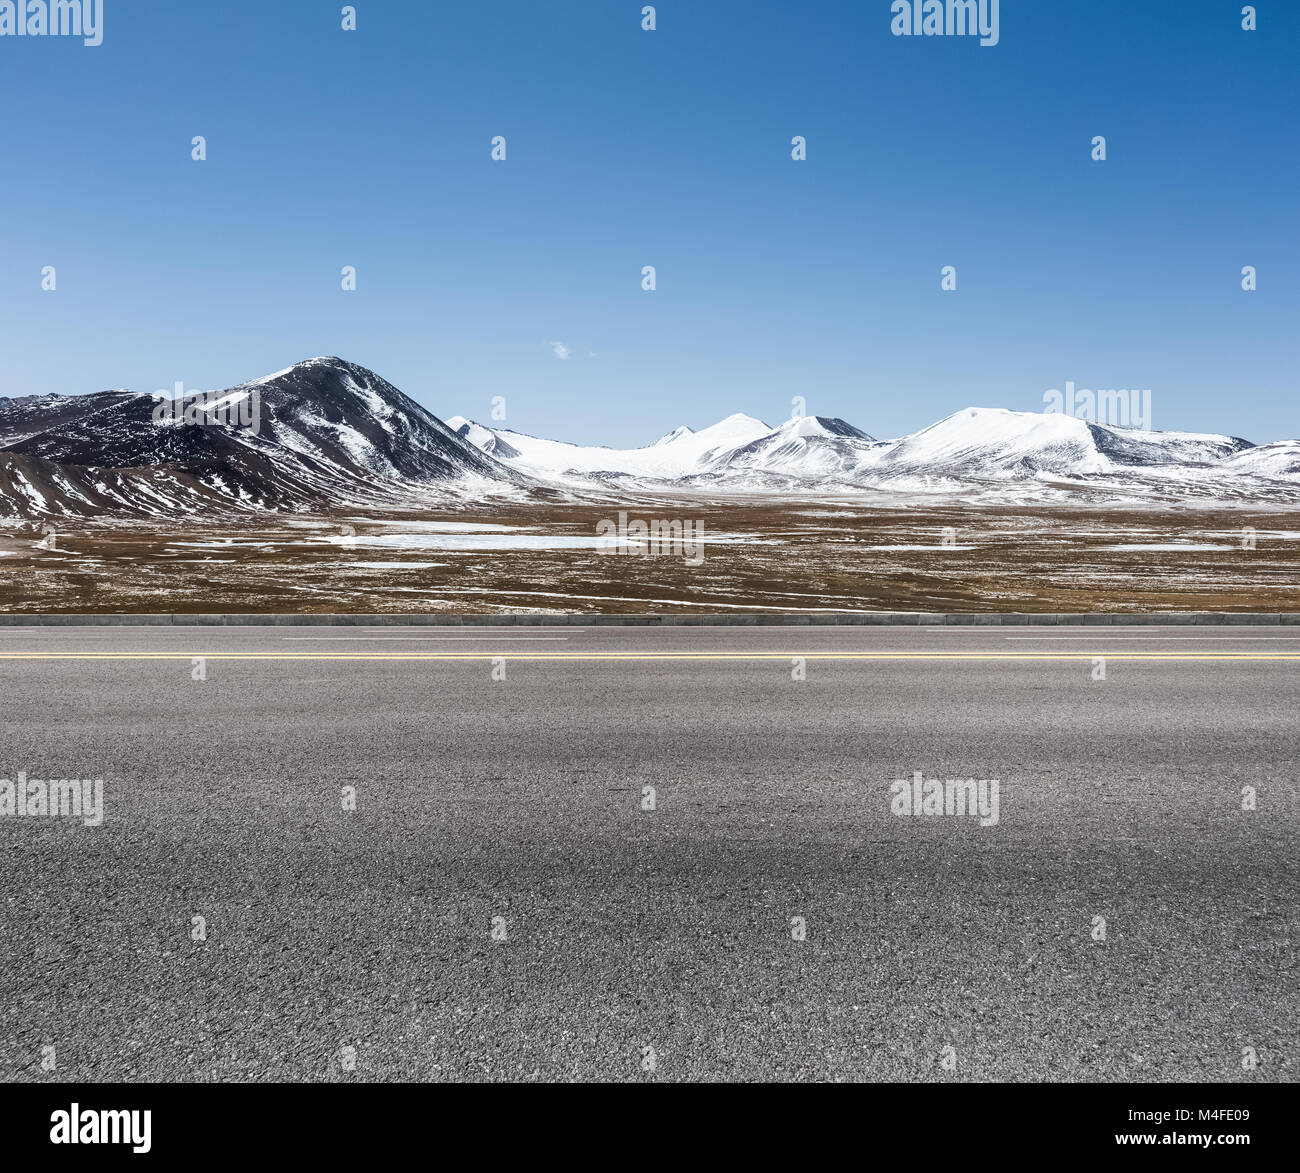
[(984, 443), (802, 449), (327, 432), (679, 454), (975, 450)]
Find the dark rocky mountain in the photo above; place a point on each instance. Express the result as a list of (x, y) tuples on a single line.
[(26, 415), (33, 488), (345, 417), (323, 433)]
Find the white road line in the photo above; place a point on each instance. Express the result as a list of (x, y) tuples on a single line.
[(79, 630), (1074, 630), (408, 639), (480, 627), (1182, 638), (82, 632)]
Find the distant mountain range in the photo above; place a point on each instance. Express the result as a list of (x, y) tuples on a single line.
[(331, 434), (992, 452)]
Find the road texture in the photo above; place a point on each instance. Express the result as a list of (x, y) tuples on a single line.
[(501, 905)]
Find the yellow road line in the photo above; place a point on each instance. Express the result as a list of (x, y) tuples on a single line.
[(652, 656)]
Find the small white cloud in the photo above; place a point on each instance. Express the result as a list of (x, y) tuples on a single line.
[(559, 349)]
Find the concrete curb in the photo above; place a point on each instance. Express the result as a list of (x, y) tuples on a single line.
[(853, 619)]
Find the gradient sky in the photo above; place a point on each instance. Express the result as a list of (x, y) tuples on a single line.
[(672, 148)]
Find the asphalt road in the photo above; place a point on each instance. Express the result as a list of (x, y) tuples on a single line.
[(672, 928)]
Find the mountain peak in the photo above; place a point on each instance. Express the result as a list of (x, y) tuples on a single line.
[(821, 426), (307, 365), (675, 434)]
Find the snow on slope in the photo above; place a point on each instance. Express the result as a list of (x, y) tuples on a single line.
[(1279, 460), (993, 443), (982, 442), (681, 453), (804, 448), (481, 437)]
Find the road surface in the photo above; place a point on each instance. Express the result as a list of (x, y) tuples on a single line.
[(500, 904)]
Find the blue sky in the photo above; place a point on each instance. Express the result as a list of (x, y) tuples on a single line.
[(669, 148)]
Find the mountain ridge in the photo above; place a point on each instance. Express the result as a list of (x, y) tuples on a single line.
[(327, 434), (973, 447)]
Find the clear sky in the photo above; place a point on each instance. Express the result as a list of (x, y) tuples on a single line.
[(670, 148)]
